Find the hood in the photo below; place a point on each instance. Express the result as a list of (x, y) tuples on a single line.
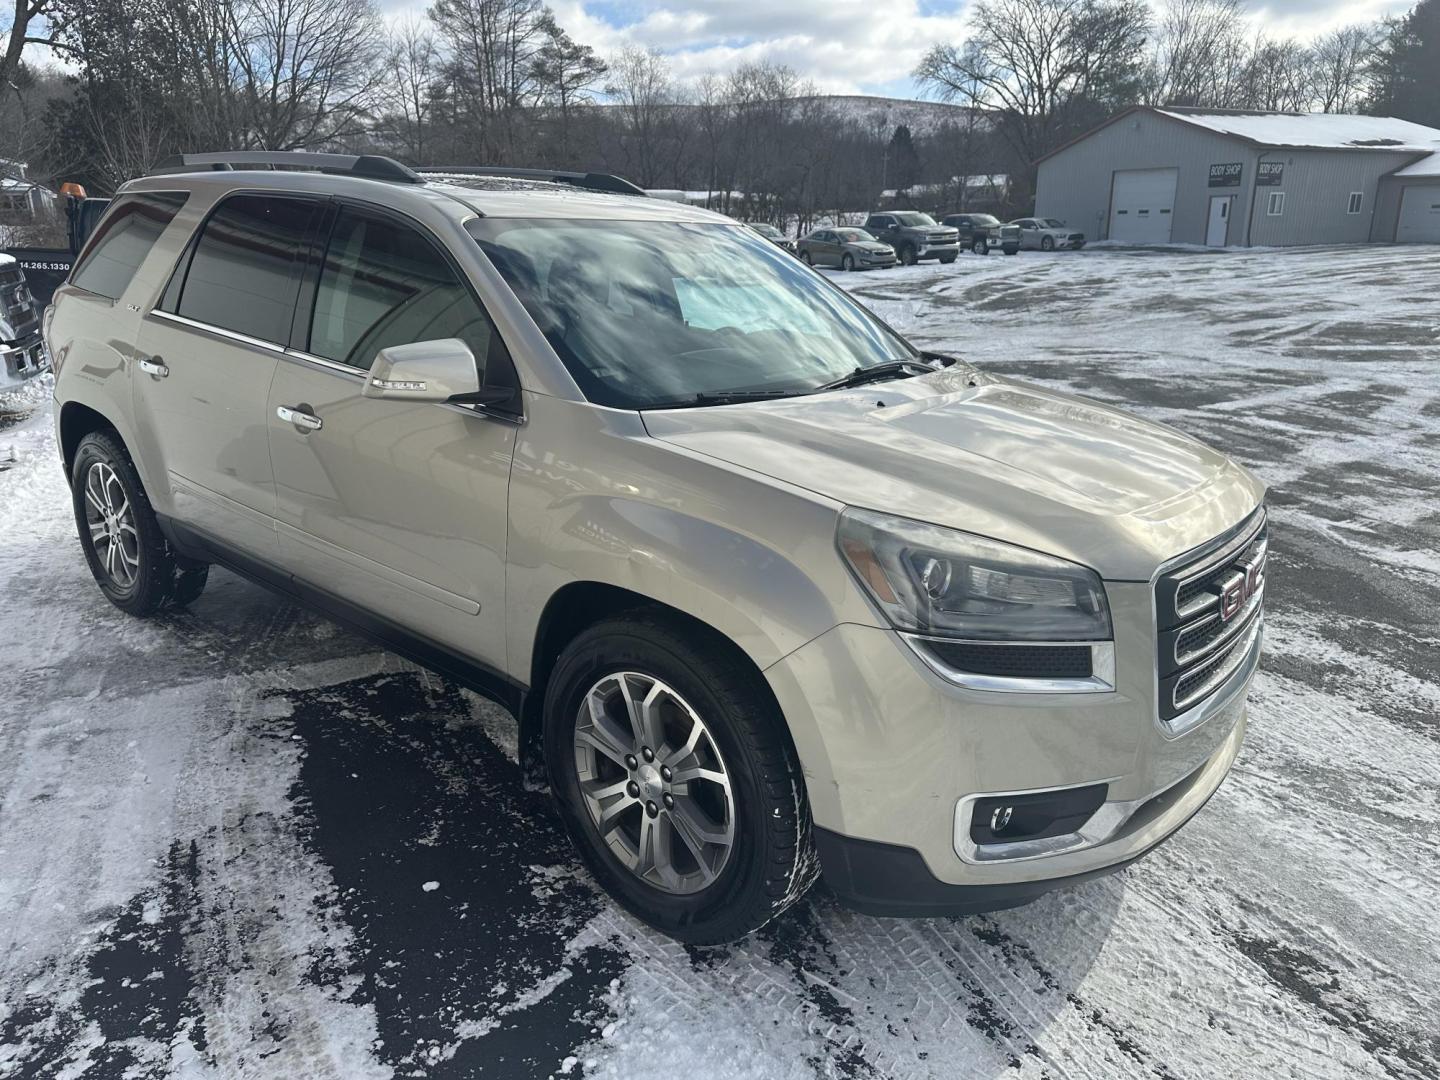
[(990, 456)]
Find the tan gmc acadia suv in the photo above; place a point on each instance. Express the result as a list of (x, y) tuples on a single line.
[(772, 592)]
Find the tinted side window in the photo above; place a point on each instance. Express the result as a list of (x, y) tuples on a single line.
[(384, 284), (123, 240), (245, 272)]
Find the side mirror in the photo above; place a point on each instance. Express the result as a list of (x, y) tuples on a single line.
[(439, 370)]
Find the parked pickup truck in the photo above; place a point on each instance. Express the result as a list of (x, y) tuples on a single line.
[(914, 236), (982, 233), (20, 345)]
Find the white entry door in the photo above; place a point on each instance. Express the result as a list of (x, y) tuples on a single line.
[(1141, 205), (1217, 229)]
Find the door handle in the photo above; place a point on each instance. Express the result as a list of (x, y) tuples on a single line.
[(153, 366), (308, 421)]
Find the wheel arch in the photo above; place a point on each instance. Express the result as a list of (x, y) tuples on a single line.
[(574, 608), (76, 421)]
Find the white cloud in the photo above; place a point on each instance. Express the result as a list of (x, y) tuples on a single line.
[(844, 46)]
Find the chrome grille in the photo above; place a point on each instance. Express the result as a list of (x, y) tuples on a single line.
[(16, 304), (1208, 614)]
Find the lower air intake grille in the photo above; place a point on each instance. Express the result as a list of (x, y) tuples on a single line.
[(1015, 661)]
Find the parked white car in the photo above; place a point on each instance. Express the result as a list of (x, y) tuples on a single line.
[(1047, 234)]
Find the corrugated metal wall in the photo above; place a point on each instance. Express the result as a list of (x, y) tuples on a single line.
[(1317, 185), (1388, 199), (1075, 184)]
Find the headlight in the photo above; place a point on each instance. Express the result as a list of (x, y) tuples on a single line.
[(932, 580)]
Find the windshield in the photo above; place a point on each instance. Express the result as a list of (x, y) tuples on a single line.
[(651, 313), (912, 218), (983, 219), (855, 236), (769, 231), (1052, 223)]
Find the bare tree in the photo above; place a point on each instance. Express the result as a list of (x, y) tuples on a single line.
[(640, 84), (566, 73), (307, 69), (490, 48), (1339, 63), (411, 67), (1034, 63), (27, 17), (1277, 78), (1193, 47)]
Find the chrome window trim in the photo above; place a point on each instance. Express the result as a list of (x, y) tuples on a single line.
[(218, 331), (1102, 666), (328, 364)]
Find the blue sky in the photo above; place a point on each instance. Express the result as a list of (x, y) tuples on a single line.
[(843, 46), (848, 46)]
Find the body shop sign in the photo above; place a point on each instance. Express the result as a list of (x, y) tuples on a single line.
[(1271, 174), (1226, 175)]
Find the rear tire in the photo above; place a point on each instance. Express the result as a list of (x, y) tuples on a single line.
[(127, 553), (644, 684)]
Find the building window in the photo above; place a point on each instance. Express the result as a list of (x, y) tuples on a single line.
[(1276, 204), (14, 203), (1357, 198)]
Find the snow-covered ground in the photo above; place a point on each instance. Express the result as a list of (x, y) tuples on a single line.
[(239, 842)]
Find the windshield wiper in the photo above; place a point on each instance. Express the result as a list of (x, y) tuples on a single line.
[(875, 372), (725, 397)]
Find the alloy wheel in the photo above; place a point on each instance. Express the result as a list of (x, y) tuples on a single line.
[(111, 521), (654, 783)]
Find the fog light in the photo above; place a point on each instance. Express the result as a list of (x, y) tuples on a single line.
[(1007, 819)]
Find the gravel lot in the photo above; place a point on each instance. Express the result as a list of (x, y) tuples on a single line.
[(218, 826)]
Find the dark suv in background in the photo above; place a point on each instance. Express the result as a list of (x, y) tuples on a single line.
[(914, 236), (982, 233)]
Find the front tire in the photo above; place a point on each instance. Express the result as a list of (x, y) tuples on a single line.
[(908, 257), (127, 553), (1047, 243), (676, 779), (947, 258), (805, 258), (848, 262), (980, 246)]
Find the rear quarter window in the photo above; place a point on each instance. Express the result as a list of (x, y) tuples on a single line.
[(124, 239)]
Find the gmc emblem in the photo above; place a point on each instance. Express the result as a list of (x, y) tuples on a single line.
[(1239, 587)]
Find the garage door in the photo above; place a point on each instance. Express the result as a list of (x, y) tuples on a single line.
[(1142, 204), (1419, 214)]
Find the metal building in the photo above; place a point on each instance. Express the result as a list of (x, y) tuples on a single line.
[(1233, 178)]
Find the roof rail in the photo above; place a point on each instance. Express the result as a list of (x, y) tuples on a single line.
[(591, 181), (368, 166)]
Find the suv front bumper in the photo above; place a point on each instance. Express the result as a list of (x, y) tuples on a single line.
[(895, 756), (889, 879)]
